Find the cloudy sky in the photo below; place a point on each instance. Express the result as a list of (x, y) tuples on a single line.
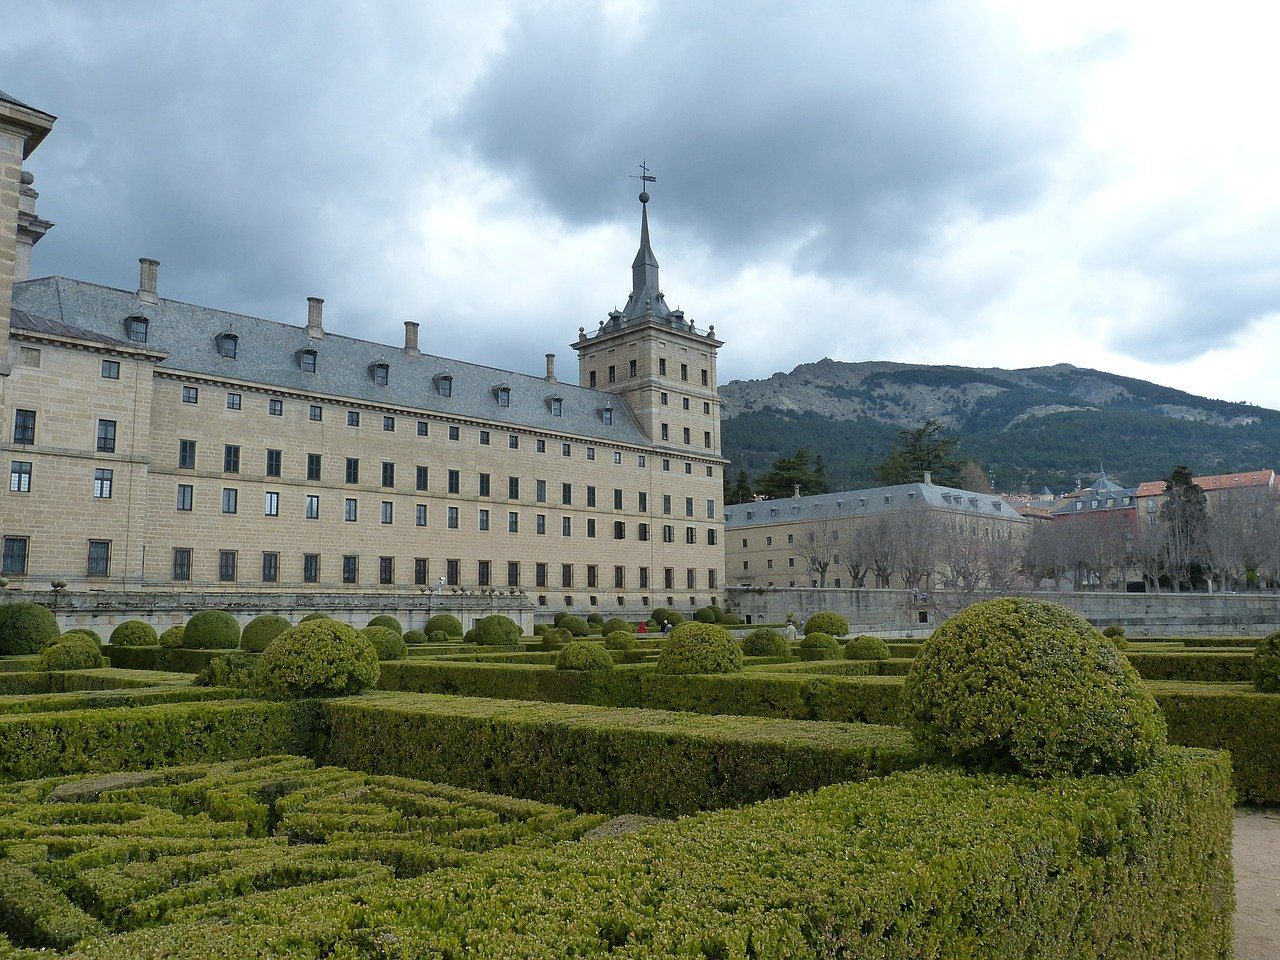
[(996, 184)]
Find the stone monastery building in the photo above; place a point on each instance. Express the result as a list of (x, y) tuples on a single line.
[(159, 445)]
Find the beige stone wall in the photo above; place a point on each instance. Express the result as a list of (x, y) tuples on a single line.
[(10, 172)]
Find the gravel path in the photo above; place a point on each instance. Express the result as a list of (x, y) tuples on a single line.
[(1257, 862)]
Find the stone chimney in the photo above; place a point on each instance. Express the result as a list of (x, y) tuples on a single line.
[(148, 275), (315, 318), (31, 229), (928, 477), (551, 368), (795, 489), (411, 338)]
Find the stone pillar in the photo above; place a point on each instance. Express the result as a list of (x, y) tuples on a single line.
[(315, 318), (411, 338)]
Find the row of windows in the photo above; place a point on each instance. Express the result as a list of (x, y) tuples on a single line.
[(612, 372)]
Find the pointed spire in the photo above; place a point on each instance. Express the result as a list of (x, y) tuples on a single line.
[(644, 268)]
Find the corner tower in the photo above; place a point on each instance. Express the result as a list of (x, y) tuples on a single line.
[(658, 362)]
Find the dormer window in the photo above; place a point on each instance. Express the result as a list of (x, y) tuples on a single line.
[(606, 415), (557, 406), (307, 361), (227, 345), (380, 372), (504, 396), (136, 328), (444, 385)]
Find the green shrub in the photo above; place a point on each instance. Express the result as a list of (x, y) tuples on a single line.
[(78, 653), (260, 631), (595, 620), (323, 658), (415, 637), (211, 630), (825, 621), (388, 621), (389, 644), (575, 625), (764, 642), (496, 630), (581, 655), (1201, 666), (315, 615), (26, 628), (134, 633), (97, 637), (439, 636), (1266, 665), (866, 648), (171, 637), (446, 623), (820, 646), (1028, 686), (699, 648), (731, 619), (704, 615), (616, 625), (232, 670), (623, 640), (653, 626), (717, 612), (1113, 631), (673, 617), (553, 638)]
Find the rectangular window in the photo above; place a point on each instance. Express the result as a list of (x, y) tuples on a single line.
[(353, 418), (110, 370), (313, 466), (453, 518), (353, 470), (592, 576), (686, 438), (513, 442), (420, 515), (20, 477), (190, 394), (591, 379), (591, 528), (666, 504), (388, 512), (420, 478), (641, 460), (389, 424), (513, 488), (541, 446), (455, 433), (566, 450), (690, 579), (668, 533), (484, 520), (422, 428), (540, 575), (566, 494), (662, 366), (230, 458), (540, 524), (317, 412), (483, 573), (619, 530), (613, 374), (455, 481), (24, 426), (275, 408), (704, 378), (684, 371), (690, 535), (484, 484), (642, 532), (566, 526), (666, 465), (631, 370), (274, 459), (711, 538), (388, 474), (307, 361), (182, 563), (233, 401), (619, 578), (186, 494), (350, 568), (186, 454), (227, 566), (591, 496), (106, 436), (669, 578), (271, 504), (644, 578), (386, 569), (566, 574), (419, 571), (513, 573), (688, 506), (451, 572), (484, 438), (513, 522), (642, 501), (351, 510), (311, 568), (666, 432), (540, 491), (706, 439), (230, 499), (591, 453), (313, 506), (711, 578), (617, 499), (99, 558), (102, 484)]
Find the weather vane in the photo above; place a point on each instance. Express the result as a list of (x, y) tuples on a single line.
[(645, 178)]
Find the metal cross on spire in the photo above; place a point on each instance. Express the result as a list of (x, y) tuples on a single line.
[(645, 179)]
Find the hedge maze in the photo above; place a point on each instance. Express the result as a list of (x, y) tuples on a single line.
[(327, 791)]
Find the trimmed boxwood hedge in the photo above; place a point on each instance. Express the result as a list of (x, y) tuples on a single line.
[(26, 628), (175, 659), (134, 633), (1200, 667), (828, 622), (76, 652), (261, 630), (211, 630), (583, 655), (75, 680), (388, 621)]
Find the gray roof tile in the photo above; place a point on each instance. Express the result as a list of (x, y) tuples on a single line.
[(854, 503)]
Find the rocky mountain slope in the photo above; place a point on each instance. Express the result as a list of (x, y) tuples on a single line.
[(1032, 427)]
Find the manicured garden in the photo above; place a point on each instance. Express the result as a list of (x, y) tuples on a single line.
[(303, 788)]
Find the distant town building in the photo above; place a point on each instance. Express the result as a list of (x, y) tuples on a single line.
[(1217, 488), (1103, 500)]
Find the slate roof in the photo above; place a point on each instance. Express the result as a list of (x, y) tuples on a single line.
[(854, 503), (21, 320), (267, 354), (1110, 496)]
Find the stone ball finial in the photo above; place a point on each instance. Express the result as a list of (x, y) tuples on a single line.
[(644, 196), (27, 178), (711, 330), (581, 331)]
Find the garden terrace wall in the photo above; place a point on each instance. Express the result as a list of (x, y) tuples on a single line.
[(598, 759), (930, 862)]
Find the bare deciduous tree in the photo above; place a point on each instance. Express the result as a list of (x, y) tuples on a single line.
[(818, 544)]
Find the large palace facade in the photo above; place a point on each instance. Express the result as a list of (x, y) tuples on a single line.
[(158, 445)]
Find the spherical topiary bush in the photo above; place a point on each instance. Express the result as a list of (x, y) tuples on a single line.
[(412, 637), (77, 652), (388, 621), (211, 630), (497, 630), (321, 658), (699, 648), (819, 646), (1026, 686), (765, 643), (623, 640), (388, 643), (439, 636), (582, 655), (1266, 664), (575, 625), (866, 648), (704, 615), (553, 638), (673, 617), (134, 633), (717, 612), (97, 638), (233, 670), (316, 615), (595, 621), (171, 637), (616, 624), (445, 623), (260, 631), (731, 619), (560, 615), (1113, 631), (824, 621), (26, 628)]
